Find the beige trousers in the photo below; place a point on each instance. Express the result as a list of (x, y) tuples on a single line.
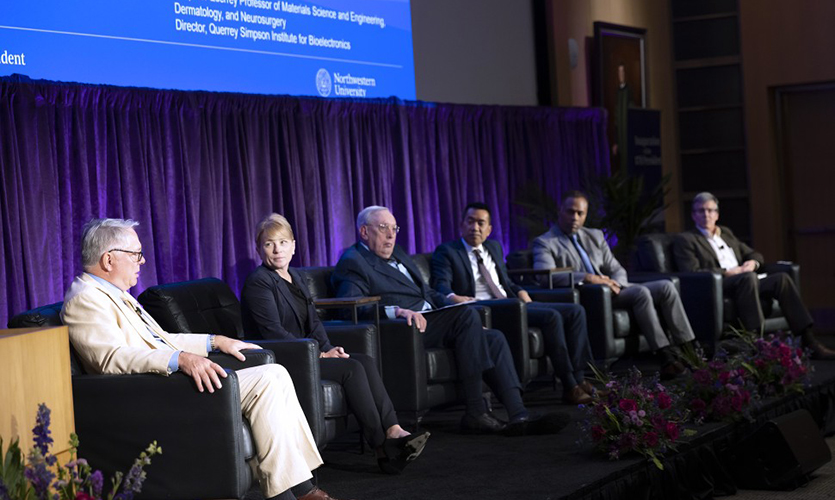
[(285, 451)]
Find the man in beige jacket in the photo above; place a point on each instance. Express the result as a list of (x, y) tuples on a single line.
[(113, 334)]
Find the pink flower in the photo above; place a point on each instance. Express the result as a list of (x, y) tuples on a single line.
[(672, 431), (698, 405), (701, 377), (664, 400), (627, 405), (651, 439), (598, 433), (83, 496)]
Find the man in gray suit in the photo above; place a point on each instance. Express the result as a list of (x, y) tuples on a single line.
[(588, 253)]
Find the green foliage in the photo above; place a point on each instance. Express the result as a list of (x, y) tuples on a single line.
[(617, 204), (11, 472)]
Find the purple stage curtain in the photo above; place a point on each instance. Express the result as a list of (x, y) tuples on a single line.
[(199, 169)]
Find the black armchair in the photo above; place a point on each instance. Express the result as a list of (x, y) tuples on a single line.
[(208, 305), (416, 378), (612, 331), (709, 311), (206, 441)]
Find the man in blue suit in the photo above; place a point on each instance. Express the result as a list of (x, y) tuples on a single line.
[(376, 266), (472, 268)]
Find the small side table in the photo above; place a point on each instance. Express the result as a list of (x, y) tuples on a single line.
[(354, 303)]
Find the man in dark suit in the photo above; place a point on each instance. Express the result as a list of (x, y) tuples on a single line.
[(472, 268), (377, 266), (587, 251), (711, 247)]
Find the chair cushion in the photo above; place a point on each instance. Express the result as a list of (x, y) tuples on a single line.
[(440, 365), (206, 305)]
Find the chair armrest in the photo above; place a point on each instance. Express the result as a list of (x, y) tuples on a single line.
[(597, 300), (789, 268), (702, 297), (360, 338), (254, 357), (510, 316), (568, 295), (647, 277), (540, 277), (301, 359), (201, 434), (404, 365), (486, 315)]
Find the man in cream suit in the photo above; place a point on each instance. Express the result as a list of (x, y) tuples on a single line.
[(112, 334), (588, 253)]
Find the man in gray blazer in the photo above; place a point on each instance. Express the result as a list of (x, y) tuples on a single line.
[(587, 252)]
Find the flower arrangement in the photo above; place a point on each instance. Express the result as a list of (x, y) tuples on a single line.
[(75, 480), (718, 390), (778, 363), (635, 416)]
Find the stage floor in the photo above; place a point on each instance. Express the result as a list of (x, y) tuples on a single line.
[(552, 467)]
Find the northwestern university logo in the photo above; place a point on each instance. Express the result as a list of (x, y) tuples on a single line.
[(323, 82)]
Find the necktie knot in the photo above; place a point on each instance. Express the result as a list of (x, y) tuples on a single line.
[(478, 256)]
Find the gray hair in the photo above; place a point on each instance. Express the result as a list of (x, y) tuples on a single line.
[(101, 235), (365, 215), (705, 197)]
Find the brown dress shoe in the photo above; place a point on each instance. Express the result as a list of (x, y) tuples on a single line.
[(820, 351), (593, 391), (317, 494), (577, 396)]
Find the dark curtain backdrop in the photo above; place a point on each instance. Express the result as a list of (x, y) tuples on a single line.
[(198, 170)]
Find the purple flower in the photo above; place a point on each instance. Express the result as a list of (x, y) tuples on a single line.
[(40, 477), (41, 434), (96, 483)]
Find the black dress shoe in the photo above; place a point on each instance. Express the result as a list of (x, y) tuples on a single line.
[(537, 425), (482, 424), (401, 451)]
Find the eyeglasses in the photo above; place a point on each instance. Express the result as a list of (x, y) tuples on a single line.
[(137, 256), (384, 228), (705, 210)]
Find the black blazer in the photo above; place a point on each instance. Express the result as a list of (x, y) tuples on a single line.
[(693, 252), (360, 272), (269, 311), (453, 273)]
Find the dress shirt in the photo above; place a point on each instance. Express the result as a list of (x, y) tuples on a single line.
[(724, 253), (482, 291)]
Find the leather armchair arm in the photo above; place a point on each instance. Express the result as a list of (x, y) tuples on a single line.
[(567, 295), (301, 359), (789, 268), (646, 277), (404, 365), (360, 338), (201, 434), (485, 313), (254, 357), (597, 300), (511, 317)]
